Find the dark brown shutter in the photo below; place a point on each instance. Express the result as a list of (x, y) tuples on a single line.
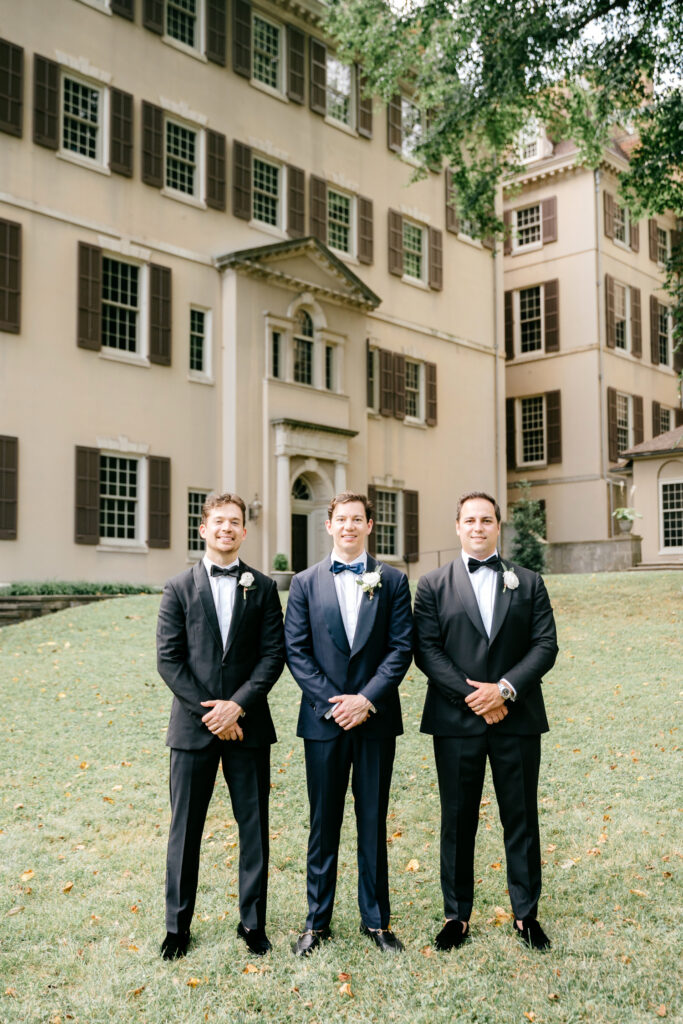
[(399, 386), (611, 332), (395, 238), (678, 417), (613, 452), (159, 523), (386, 382), (369, 375), (87, 504), (296, 202), (551, 315), (121, 131), (435, 259), (411, 527), (241, 38), (656, 419), (507, 239), (11, 88), (152, 145), (153, 15), (372, 540), (124, 8), (553, 412), (430, 394), (508, 306), (9, 486), (549, 215), (10, 276), (296, 64), (634, 236), (241, 181), (317, 188), (364, 118), (317, 92), (216, 31), (654, 330), (652, 239), (510, 443), (159, 315), (45, 102), (215, 170), (89, 297), (365, 231), (678, 358), (636, 324), (452, 223), (638, 420), (394, 125), (609, 214)]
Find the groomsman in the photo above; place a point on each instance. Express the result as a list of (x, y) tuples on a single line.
[(484, 637), (348, 632), (220, 648)]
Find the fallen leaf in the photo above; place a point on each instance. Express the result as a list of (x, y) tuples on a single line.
[(134, 909), (413, 865), (133, 948), (639, 892), (530, 1015), (345, 990), (661, 1010), (553, 996), (594, 852), (566, 864), (502, 917), (83, 765), (551, 847), (343, 976), (193, 982), (427, 951), (11, 992), (250, 969), (495, 866), (14, 910), (138, 991), (68, 887), (27, 875)]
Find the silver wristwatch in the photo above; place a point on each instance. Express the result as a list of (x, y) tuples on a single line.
[(505, 691)]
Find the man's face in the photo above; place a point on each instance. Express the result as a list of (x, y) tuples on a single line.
[(223, 532), (478, 528), (348, 528)]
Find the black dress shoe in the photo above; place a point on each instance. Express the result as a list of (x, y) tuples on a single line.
[(383, 938), (531, 933), (310, 940), (452, 935), (175, 945), (255, 938)]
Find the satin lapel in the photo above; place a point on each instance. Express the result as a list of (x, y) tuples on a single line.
[(330, 606), (461, 582), (241, 598), (367, 613), (201, 580), (501, 605)]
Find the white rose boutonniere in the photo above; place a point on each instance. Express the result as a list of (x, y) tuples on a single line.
[(370, 581), (510, 580), (246, 581)]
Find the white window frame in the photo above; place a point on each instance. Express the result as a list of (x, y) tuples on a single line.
[(100, 162), (351, 252), (197, 197), (627, 318), (138, 543), (410, 142), (278, 90), (667, 245), (669, 336), (279, 227), (140, 356), (520, 432), (517, 319), (395, 555), (198, 49), (195, 554), (410, 278), (420, 417), (350, 124), (517, 246), (619, 210), (662, 548), (629, 421), (529, 136), (205, 375), (666, 410)]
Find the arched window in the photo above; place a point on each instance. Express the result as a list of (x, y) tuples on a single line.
[(303, 348), (300, 490)]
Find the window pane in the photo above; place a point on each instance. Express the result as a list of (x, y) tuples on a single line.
[(620, 331), (663, 332), (338, 90), (662, 245), (266, 51), (386, 522), (412, 250), (623, 422), (665, 420), (119, 305), (533, 443), (412, 389), (672, 515), (181, 20), (275, 353), (303, 361), (530, 319), (329, 367), (195, 502), (620, 223), (339, 221), (181, 158), (118, 497), (529, 225), (81, 113), (411, 127), (266, 187), (197, 339)]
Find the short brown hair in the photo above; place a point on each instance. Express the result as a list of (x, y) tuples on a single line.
[(477, 494), (215, 500), (344, 497)]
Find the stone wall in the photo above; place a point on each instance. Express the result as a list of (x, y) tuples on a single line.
[(21, 608), (613, 555)]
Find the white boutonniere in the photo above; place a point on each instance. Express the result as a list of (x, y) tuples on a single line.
[(370, 582), (510, 580), (246, 581)]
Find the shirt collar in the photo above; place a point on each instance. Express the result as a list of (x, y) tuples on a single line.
[(465, 557), (361, 560), (208, 563)]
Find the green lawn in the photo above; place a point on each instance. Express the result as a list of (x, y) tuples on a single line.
[(85, 815)]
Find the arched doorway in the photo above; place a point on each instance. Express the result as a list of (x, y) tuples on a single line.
[(302, 506), (309, 498)]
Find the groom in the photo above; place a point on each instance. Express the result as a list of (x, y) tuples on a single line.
[(348, 631)]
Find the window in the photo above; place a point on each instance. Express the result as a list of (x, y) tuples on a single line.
[(182, 21), (181, 158), (118, 498), (329, 367), (195, 504), (266, 192), (120, 305), (267, 52), (413, 250), (81, 118), (621, 302), (386, 523), (303, 348), (372, 382), (671, 504), (530, 320), (10, 276), (9, 486), (411, 127), (527, 226), (199, 354), (123, 498), (624, 422), (276, 354), (664, 334), (339, 91), (414, 390), (665, 420), (662, 245), (529, 142), (532, 412), (340, 221)]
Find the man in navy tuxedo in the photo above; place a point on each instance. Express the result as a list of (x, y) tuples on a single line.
[(348, 633)]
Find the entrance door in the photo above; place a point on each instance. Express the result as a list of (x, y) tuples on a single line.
[(299, 542)]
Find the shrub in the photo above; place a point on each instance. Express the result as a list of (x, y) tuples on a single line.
[(63, 587), (280, 563), (528, 520)]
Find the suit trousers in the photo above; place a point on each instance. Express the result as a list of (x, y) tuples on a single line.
[(328, 764), (193, 774), (461, 766)]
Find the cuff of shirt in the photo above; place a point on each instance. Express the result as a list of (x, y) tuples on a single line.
[(507, 682)]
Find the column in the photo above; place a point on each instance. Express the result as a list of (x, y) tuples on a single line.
[(339, 477), (283, 529)]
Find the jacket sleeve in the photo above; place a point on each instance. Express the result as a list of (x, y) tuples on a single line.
[(399, 649), (316, 687), (430, 654), (172, 654), (271, 641), (540, 657)]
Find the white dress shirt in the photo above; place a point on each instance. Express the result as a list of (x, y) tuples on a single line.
[(484, 582), (349, 595), (223, 589)]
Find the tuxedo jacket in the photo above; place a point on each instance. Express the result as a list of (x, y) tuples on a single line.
[(323, 664), (192, 661), (451, 646)]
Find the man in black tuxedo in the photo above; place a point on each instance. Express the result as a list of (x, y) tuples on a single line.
[(220, 649), (484, 637), (348, 631)]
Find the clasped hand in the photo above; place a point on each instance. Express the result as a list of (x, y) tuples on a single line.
[(222, 719), (351, 709), (486, 702)]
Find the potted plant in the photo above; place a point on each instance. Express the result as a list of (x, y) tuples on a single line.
[(625, 518), (281, 572)]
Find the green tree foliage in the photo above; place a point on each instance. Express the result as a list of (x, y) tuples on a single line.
[(528, 519)]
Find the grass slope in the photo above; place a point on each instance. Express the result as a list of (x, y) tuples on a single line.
[(84, 805)]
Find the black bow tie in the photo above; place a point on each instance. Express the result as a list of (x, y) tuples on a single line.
[(233, 570), (493, 562), (358, 568)]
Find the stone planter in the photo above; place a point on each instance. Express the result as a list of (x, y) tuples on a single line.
[(282, 577), (625, 525)]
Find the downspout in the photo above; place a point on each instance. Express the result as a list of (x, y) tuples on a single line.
[(497, 269), (600, 301)]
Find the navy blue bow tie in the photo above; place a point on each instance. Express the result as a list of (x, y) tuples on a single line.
[(233, 570), (358, 568), (493, 562)]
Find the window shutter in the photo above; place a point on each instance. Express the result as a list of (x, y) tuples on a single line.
[(507, 240), (121, 132), (153, 15), (636, 328), (612, 450), (318, 208), (369, 375), (399, 386), (549, 217), (386, 382), (372, 541), (394, 126), (638, 420), (296, 202), (124, 8), (452, 223), (652, 239), (9, 486), (317, 95), (241, 181), (654, 330), (430, 393), (152, 145), (678, 358), (634, 236), (508, 305), (216, 31), (611, 333), (241, 38), (159, 315), (365, 231), (215, 170), (87, 518), (553, 412), (411, 527), (296, 64), (678, 417), (45, 103), (510, 443), (364, 118), (10, 276), (551, 315), (609, 214), (435, 259), (11, 88), (89, 297), (395, 243), (656, 419), (159, 523)]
